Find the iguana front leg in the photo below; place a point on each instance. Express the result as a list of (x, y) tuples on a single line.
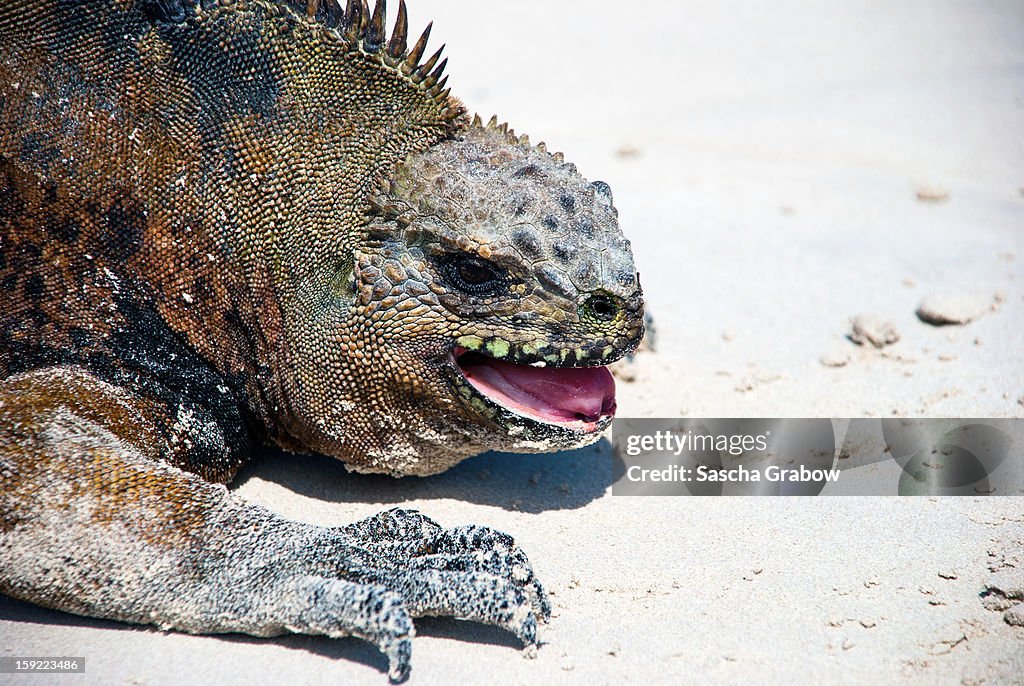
[(93, 522)]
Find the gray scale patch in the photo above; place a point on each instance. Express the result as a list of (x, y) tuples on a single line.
[(529, 171), (602, 189), (565, 251), (585, 226), (556, 280), (587, 275), (528, 242), (520, 204), (567, 202), (624, 277)]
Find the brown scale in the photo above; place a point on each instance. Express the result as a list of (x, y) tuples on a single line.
[(56, 292), (223, 223), (216, 206)]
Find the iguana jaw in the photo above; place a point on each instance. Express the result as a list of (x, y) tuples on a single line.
[(578, 399)]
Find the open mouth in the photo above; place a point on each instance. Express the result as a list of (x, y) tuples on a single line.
[(575, 397)]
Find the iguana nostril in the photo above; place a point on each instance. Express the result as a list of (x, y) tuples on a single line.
[(603, 307)]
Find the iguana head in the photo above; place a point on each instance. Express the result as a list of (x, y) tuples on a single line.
[(492, 290), (462, 291)]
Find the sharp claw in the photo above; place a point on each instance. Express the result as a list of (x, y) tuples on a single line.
[(542, 605), (511, 565), (527, 631), (399, 660), (520, 619), (471, 572)]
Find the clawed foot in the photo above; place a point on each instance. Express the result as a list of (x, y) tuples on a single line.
[(373, 576)]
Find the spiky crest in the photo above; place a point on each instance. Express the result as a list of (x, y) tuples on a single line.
[(510, 136), (358, 27), (366, 30)]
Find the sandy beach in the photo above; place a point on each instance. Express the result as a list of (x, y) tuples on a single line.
[(782, 169)]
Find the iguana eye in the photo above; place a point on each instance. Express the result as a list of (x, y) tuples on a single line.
[(473, 275)]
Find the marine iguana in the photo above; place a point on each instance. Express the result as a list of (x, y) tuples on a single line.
[(264, 221)]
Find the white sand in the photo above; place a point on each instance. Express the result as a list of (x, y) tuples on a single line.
[(780, 168)]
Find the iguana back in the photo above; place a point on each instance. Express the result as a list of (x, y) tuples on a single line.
[(198, 160)]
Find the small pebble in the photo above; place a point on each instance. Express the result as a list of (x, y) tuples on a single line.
[(958, 309), (836, 358), (1015, 615), (931, 193), (627, 152), (1007, 582), (873, 329)]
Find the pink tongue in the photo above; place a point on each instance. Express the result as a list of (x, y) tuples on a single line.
[(554, 395)]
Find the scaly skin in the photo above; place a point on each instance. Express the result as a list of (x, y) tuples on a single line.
[(228, 223)]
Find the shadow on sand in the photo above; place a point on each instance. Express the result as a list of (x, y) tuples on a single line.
[(528, 483), (348, 649)]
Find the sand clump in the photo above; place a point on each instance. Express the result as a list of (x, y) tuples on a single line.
[(956, 309), (873, 329)]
